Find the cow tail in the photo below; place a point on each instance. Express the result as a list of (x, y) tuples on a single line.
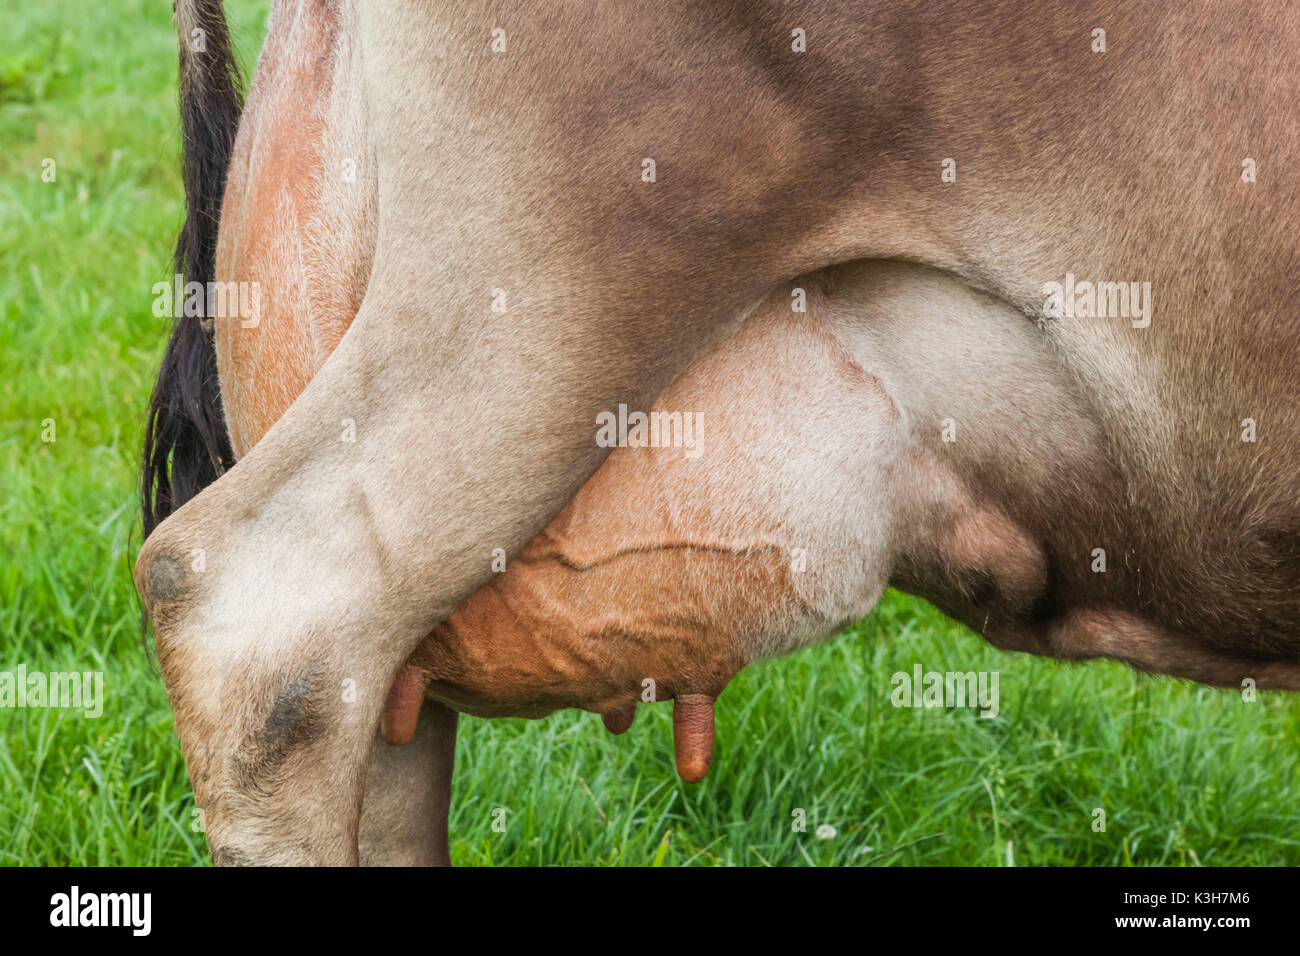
[(186, 444)]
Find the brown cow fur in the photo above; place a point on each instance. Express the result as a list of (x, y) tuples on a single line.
[(329, 561)]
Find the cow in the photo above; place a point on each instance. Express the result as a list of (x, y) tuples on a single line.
[(993, 304)]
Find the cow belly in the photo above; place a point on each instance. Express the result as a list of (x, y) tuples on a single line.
[(1018, 520)]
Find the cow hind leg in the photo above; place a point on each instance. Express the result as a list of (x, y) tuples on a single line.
[(408, 795)]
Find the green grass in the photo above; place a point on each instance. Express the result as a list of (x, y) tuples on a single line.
[(1185, 775)]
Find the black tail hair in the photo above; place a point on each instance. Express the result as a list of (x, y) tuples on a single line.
[(186, 445)]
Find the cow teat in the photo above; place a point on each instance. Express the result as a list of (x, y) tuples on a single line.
[(693, 735), (402, 709), (619, 720)]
